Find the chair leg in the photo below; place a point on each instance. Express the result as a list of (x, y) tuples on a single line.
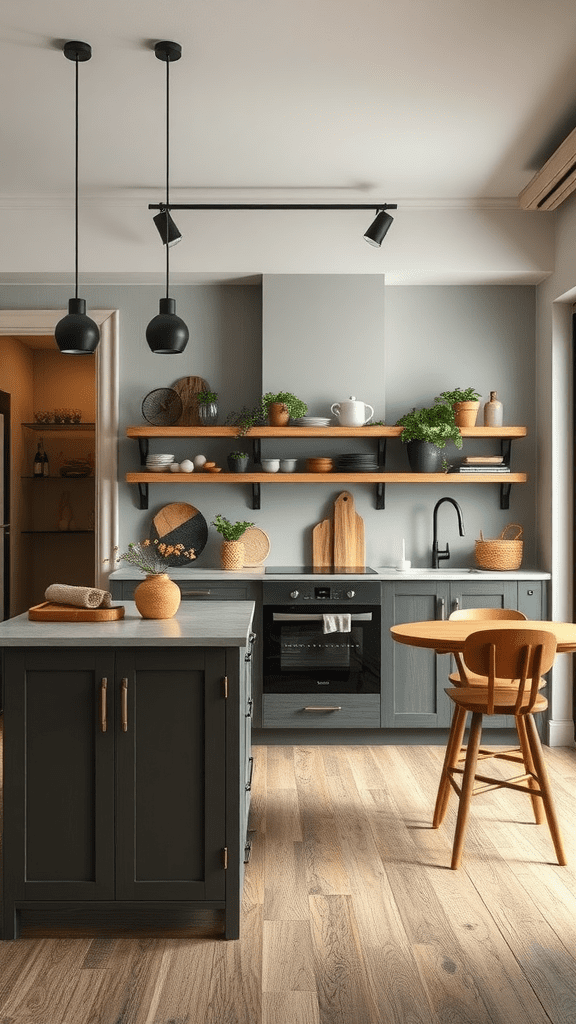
[(450, 761), (537, 803), (542, 776), (467, 788)]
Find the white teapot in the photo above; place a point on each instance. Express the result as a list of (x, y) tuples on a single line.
[(352, 413)]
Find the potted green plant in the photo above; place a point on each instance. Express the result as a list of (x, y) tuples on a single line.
[(232, 550), (465, 402), (425, 433), (238, 462), (207, 405), (282, 407)]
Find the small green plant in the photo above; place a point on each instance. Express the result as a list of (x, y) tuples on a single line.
[(458, 395), (230, 531), (296, 407), (435, 425), (239, 455), (206, 397)]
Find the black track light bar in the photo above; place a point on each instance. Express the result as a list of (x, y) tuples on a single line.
[(274, 206)]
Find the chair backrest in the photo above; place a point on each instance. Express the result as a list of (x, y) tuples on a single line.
[(487, 613), (520, 656)]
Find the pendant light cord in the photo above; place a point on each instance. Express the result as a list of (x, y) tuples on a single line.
[(167, 175), (76, 188)]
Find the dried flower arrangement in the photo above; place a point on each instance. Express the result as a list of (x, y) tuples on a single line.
[(150, 556)]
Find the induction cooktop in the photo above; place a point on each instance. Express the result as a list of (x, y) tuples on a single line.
[(319, 570)]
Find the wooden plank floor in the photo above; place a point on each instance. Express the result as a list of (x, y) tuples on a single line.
[(351, 914)]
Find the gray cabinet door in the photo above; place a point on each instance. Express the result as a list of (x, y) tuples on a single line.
[(171, 774), (59, 775), (413, 678)]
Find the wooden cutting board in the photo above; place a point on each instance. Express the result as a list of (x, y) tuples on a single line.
[(323, 543), (49, 612), (349, 544), (188, 388)]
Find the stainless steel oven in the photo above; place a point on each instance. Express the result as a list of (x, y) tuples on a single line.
[(301, 656)]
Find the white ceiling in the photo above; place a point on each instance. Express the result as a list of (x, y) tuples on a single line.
[(420, 101)]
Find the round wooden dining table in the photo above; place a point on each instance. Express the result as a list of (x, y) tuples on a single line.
[(448, 636)]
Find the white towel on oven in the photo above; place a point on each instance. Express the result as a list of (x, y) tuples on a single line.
[(336, 622)]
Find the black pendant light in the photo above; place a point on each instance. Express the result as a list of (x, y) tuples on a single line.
[(167, 334), (76, 334)]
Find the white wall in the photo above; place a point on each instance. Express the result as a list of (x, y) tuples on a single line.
[(554, 376), (443, 245)]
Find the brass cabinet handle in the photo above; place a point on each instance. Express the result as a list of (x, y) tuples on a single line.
[(103, 698), (335, 707), (124, 704)]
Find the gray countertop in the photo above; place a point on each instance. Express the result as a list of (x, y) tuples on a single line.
[(202, 624), (382, 573)]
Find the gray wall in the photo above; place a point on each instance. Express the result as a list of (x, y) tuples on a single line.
[(434, 338)]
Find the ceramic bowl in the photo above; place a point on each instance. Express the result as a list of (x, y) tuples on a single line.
[(288, 465), (270, 465)]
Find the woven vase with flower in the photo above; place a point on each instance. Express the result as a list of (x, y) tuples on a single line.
[(157, 597)]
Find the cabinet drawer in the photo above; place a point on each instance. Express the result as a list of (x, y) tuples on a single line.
[(191, 590), (283, 711)]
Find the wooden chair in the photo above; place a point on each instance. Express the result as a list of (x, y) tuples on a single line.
[(481, 614), (520, 657)]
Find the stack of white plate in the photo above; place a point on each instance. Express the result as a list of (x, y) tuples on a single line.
[(313, 421), (159, 463)]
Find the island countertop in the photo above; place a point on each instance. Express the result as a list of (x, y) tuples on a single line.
[(202, 624)]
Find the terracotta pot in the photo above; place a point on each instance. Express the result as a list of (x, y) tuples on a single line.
[(157, 597), (232, 554), (278, 414), (465, 413)]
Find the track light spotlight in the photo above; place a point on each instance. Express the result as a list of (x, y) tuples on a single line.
[(167, 229), (378, 228)]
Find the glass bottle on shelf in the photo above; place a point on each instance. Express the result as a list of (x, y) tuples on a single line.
[(45, 464), (38, 467)]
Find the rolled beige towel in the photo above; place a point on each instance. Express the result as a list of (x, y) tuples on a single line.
[(80, 597)]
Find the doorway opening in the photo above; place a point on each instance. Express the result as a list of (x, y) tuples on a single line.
[(79, 496), (4, 505)]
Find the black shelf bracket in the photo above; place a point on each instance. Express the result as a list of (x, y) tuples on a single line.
[(143, 496), (505, 495), (256, 450), (256, 496), (144, 447), (380, 495), (506, 451)]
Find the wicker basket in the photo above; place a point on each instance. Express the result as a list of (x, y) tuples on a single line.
[(505, 553)]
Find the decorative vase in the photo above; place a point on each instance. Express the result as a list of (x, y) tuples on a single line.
[(232, 554), (465, 413), (157, 597), (278, 414), (493, 411), (424, 457), (208, 413), (238, 465)]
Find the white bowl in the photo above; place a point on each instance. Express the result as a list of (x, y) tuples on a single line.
[(288, 465), (270, 465)]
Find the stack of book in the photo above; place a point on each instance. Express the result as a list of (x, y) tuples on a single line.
[(484, 464)]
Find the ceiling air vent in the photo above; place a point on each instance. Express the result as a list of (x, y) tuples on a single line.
[(555, 182)]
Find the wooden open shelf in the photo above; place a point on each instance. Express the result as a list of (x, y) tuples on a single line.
[(379, 433)]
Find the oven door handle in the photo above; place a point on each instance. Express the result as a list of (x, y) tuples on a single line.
[(314, 617)]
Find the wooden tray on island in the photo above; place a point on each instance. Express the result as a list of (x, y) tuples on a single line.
[(50, 612)]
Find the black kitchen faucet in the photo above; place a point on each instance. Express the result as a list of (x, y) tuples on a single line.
[(437, 554)]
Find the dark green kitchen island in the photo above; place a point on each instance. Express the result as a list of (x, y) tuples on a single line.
[(127, 764)]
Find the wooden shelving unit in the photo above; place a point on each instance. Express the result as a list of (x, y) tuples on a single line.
[(378, 433)]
